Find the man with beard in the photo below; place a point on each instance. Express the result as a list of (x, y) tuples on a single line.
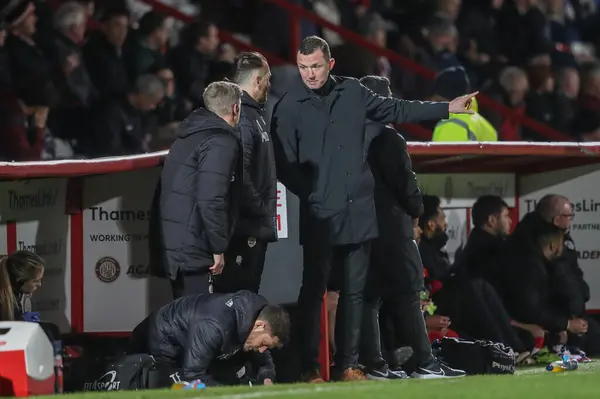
[(255, 228), (471, 304), (487, 242), (570, 292), (396, 273), (319, 140)]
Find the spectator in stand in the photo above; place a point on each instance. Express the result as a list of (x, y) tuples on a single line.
[(169, 113), (257, 225), (587, 124), (471, 303), (144, 53), (478, 39), (561, 288), (522, 31), (193, 58), (541, 102), (437, 53), (459, 127), (23, 116), (196, 202), (26, 58), (5, 78), (567, 92), (357, 61), (103, 55), (510, 90), (118, 126), (68, 119), (21, 273)]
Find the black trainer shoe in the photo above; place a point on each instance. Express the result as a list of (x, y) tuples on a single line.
[(435, 370), (384, 373)]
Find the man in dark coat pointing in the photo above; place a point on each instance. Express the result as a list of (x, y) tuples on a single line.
[(320, 151)]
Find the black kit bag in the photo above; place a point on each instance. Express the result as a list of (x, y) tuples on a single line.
[(477, 356), (129, 372)]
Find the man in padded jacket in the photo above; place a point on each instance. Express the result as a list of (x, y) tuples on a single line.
[(215, 337), (196, 200), (255, 227)]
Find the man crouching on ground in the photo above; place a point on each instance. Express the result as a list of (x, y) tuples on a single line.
[(216, 338)]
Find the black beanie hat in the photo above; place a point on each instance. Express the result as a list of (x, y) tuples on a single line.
[(452, 82)]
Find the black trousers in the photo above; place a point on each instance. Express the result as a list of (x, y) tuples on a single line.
[(191, 284), (477, 312), (395, 279), (244, 264), (350, 264), (590, 341)]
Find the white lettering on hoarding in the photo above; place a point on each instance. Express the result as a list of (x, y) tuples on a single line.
[(43, 198)]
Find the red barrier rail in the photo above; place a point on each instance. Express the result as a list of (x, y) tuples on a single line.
[(296, 13), (429, 155)]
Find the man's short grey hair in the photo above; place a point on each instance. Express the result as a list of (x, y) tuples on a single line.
[(149, 84), (68, 15), (220, 97), (509, 76), (551, 206)]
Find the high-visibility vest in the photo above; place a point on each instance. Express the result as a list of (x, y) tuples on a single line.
[(464, 127)]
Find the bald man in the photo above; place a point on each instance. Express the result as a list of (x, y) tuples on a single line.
[(570, 291)]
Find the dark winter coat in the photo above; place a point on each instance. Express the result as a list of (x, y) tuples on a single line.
[(321, 153), (205, 330), (200, 189)]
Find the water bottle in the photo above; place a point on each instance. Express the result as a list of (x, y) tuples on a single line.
[(58, 367), (193, 385)]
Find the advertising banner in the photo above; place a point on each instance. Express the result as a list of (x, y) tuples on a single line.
[(38, 209), (460, 190), (282, 211), (118, 293), (580, 185)]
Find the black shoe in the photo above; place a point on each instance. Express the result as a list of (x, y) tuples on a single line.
[(384, 373), (435, 370)]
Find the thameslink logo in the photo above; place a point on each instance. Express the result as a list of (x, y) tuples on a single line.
[(43, 248), (99, 213), (581, 206), (43, 198)]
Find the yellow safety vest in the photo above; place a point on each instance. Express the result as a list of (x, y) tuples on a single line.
[(464, 127)]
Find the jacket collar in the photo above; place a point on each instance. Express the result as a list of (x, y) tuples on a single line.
[(251, 102), (300, 92)]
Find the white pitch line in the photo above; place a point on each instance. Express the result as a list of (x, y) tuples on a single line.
[(288, 392)]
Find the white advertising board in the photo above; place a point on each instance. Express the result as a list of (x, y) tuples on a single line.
[(580, 185), (118, 293), (38, 209), (460, 190)]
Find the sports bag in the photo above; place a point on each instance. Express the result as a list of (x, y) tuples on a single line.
[(129, 372), (477, 356)]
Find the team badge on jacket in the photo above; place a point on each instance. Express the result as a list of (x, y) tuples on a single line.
[(251, 242)]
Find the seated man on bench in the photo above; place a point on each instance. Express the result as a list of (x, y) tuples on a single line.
[(216, 337)]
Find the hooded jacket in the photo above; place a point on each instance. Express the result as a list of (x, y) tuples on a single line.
[(208, 329), (196, 201)]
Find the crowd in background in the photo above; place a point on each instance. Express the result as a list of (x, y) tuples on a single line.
[(86, 78)]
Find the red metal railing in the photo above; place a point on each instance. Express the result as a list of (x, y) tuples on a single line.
[(297, 13)]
